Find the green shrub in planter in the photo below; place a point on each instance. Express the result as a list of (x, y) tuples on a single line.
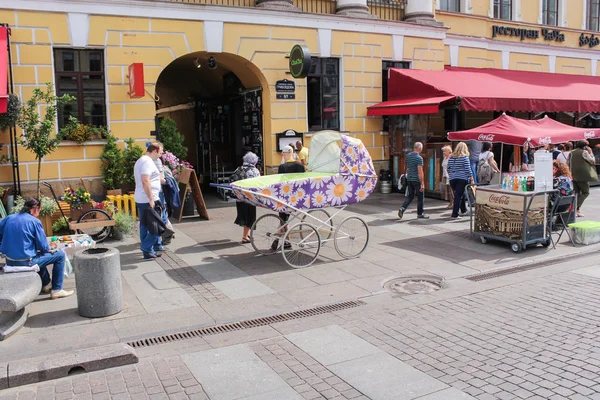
[(60, 225), (48, 206), (125, 225)]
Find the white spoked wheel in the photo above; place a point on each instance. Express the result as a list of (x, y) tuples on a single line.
[(324, 224), (351, 237), (265, 231), (302, 244)]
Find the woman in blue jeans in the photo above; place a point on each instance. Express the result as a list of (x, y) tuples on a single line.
[(460, 173)]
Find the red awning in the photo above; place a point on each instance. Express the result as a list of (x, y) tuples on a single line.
[(3, 69), (494, 90), (430, 105), (516, 131)]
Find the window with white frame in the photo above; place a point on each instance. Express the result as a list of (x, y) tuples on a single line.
[(550, 12), (450, 5), (503, 9), (593, 15)]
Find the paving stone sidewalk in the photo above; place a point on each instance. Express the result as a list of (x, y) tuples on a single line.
[(532, 338)]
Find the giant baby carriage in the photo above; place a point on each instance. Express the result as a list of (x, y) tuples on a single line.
[(340, 173)]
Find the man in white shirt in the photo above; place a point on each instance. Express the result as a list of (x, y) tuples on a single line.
[(147, 189)]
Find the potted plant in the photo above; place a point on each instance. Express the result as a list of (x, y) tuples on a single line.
[(78, 200), (61, 226), (124, 227), (172, 140), (81, 133), (112, 166), (130, 156), (11, 116), (47, 208), (106, 206), (38, 134)]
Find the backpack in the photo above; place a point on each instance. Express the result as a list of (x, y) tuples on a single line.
[(485, 173), (238, 175)]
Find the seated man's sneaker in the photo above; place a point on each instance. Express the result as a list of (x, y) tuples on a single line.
[(59, 294), (47, 289)]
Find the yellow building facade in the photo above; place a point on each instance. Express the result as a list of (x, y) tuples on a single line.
[(252, 43)]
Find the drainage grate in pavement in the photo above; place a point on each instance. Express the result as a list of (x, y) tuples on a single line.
[(418, 284), (252, 323)]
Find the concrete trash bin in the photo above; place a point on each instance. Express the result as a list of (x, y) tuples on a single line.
[(98, 282)]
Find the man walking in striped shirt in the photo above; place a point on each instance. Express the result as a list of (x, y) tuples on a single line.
[(415, 181)]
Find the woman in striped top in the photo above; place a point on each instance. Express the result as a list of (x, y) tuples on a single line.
[(459, 170)]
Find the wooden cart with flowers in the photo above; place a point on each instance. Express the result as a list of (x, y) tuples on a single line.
[(86, 216)]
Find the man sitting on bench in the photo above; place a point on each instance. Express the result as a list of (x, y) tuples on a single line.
[(23, 243)]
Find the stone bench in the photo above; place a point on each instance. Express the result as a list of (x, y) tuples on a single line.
[(17, 290)]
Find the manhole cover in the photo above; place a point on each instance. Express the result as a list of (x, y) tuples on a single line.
[(414, 284)]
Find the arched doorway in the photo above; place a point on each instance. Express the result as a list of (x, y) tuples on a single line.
[(216, 99)]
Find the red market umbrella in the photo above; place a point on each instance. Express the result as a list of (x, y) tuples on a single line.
[(516, 131)]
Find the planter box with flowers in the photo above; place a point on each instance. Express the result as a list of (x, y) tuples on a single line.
[(176, 167), (47, 207), (79, 200)]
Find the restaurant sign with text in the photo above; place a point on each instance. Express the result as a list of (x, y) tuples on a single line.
[(553, 35)]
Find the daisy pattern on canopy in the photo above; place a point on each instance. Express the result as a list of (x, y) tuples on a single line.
[(317, 183), (339, 191), (361, 193), (318, 199)]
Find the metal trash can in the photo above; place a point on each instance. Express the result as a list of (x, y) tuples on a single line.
[(98, 282)]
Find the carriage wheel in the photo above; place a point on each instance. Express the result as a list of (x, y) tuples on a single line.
[(351, 237), (264, 232), (302, 244), (325, 229), (98, 233)]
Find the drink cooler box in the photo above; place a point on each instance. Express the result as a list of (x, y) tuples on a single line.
[(585, 232)]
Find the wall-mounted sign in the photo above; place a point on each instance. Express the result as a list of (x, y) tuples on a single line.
[(285, 96), (299, 61), (547, 34), (285, 86), (288, 138), (591, 40), (136, 80)]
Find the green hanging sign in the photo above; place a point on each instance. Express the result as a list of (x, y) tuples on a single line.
[(300, 61)]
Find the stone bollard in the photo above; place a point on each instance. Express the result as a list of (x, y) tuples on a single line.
[(98, 282)]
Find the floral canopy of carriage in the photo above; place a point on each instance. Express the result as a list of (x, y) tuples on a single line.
[(341, 172)]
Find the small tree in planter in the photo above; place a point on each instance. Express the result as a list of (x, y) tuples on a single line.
[(112, 166), (171, 139), (38, 134), (130, 156)]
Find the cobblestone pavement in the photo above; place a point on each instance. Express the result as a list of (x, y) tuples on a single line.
[(535, 340), (309, 378), (201, 290), (531, 340), (165, 378)]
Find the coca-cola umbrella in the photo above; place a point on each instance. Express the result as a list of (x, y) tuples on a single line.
[(517, 131)]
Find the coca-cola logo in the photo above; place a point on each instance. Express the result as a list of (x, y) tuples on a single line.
[(486, 138), (545, 140), (589, 135), (499, 199)]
